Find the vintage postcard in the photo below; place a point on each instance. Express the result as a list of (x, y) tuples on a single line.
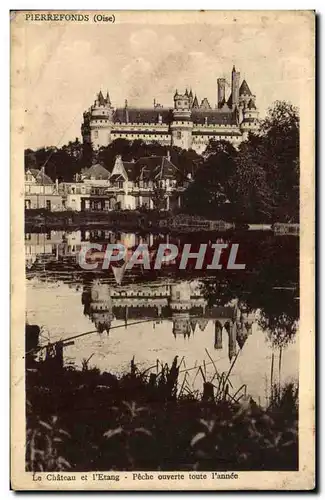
[(163, 233)]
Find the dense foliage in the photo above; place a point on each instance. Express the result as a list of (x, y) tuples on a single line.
[(259, 182)]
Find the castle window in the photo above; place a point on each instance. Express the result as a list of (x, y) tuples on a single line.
[(96, 134), (179, 103)]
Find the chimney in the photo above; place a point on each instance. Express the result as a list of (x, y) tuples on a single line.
[(235, 77), (221, 91)]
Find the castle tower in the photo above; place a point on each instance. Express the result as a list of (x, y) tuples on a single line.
[(98, 122), (249, 122), (235, 77), (182, 125), (221, 91)]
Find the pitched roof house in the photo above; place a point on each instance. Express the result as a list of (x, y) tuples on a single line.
[(96, 172), (146, 169), (36, 176)]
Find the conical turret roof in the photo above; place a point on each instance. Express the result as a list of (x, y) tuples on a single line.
[(202, 322), (195, 102), (251, 104), (244, 89), (101, 98)]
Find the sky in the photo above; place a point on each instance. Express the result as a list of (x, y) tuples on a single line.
[(141, 58)]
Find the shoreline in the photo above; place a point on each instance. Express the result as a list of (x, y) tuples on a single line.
[(125, 220), (150, 222)]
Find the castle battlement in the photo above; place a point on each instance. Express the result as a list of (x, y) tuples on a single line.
[(188, 124)]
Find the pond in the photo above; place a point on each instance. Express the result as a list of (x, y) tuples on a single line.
[(246, 320)]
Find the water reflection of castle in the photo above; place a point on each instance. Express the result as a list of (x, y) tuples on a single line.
[(180, 303)]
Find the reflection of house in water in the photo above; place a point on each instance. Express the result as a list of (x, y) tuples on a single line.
[(62, 245), (71, 244), (42, 246), (128, 239), (181, 303)]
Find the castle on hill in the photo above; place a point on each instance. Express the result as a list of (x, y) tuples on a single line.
[(188, 125)]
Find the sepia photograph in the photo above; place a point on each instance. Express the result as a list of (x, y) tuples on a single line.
[(163, 222)]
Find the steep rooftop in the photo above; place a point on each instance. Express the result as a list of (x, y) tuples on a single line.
[(244, 89)]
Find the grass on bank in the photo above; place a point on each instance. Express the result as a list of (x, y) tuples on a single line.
[(81, 420)]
